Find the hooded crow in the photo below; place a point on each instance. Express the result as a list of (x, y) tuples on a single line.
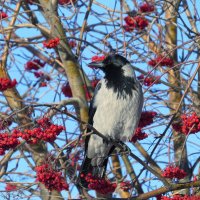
[(114, 111)]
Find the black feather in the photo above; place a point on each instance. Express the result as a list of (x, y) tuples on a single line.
[(86, 166)]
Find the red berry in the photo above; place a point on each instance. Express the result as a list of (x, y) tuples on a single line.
[(173, 172), (35, 64), (101, 185), (138, 135), (66, 90), (162, 61), (138, 22), (149, 80), (46, 132), (8, 141), (10, 187), (72, 43), (3, 15), (51, 178), (189, 124), (146, 7), (6, 83), (52, 43), (146, 118)]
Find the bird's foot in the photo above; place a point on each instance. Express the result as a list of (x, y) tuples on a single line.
[(124, 148)]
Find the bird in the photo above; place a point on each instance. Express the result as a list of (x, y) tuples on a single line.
[(114, 111)]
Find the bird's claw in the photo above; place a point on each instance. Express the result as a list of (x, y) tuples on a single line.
[(124, 148)]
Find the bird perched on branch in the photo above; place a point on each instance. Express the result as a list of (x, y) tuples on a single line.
[(114, 112)]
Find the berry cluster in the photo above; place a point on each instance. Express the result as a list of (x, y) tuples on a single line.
[(101, 185), (64, 2), (43, 78), (52, 43), (3, 15), (66, 90), (72, 43), (189, 124), (146, 7), (46, 132), (98, 58), (94, 83), (162, 61), (137, 22), (146, 118), (179, 197), (74, 158), (4, 123), (10, 187), (173, 172), (125, 186), (42, 75), (35, 64), (8, 141), (51, 178), (149, 80), (138, 135), (6, 83)]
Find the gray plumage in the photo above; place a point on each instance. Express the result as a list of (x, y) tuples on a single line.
[(114, 111)]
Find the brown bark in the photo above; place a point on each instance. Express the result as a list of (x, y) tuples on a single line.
[(180, 150)]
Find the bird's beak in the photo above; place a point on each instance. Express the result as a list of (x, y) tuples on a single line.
[(98, 64)]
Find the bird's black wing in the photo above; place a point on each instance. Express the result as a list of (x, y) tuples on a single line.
[(86, 166), (92, 110)]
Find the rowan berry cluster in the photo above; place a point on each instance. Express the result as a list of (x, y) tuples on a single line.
[(100, 185), (64, 2), (146, 118), (74, 158), (139, 135), (98, 58), (137, 22), (8, 141), (34, 65), (6, 83), (189, 124), (42, 75), (66, 90), (125, 186), (149, 80), (46, 132), (173, 172), (161, 61), (51, 178), (146, 7), (179, 197), (52, 43), (10, 187), (3, 15), (94, 83), (72, 43)]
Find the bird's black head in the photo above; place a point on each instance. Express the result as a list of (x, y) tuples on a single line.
[(111, 63), (119, 74)]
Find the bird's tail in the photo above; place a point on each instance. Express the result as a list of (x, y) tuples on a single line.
[(95, 171)]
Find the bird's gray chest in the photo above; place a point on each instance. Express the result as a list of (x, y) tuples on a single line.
[(115, 114)]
